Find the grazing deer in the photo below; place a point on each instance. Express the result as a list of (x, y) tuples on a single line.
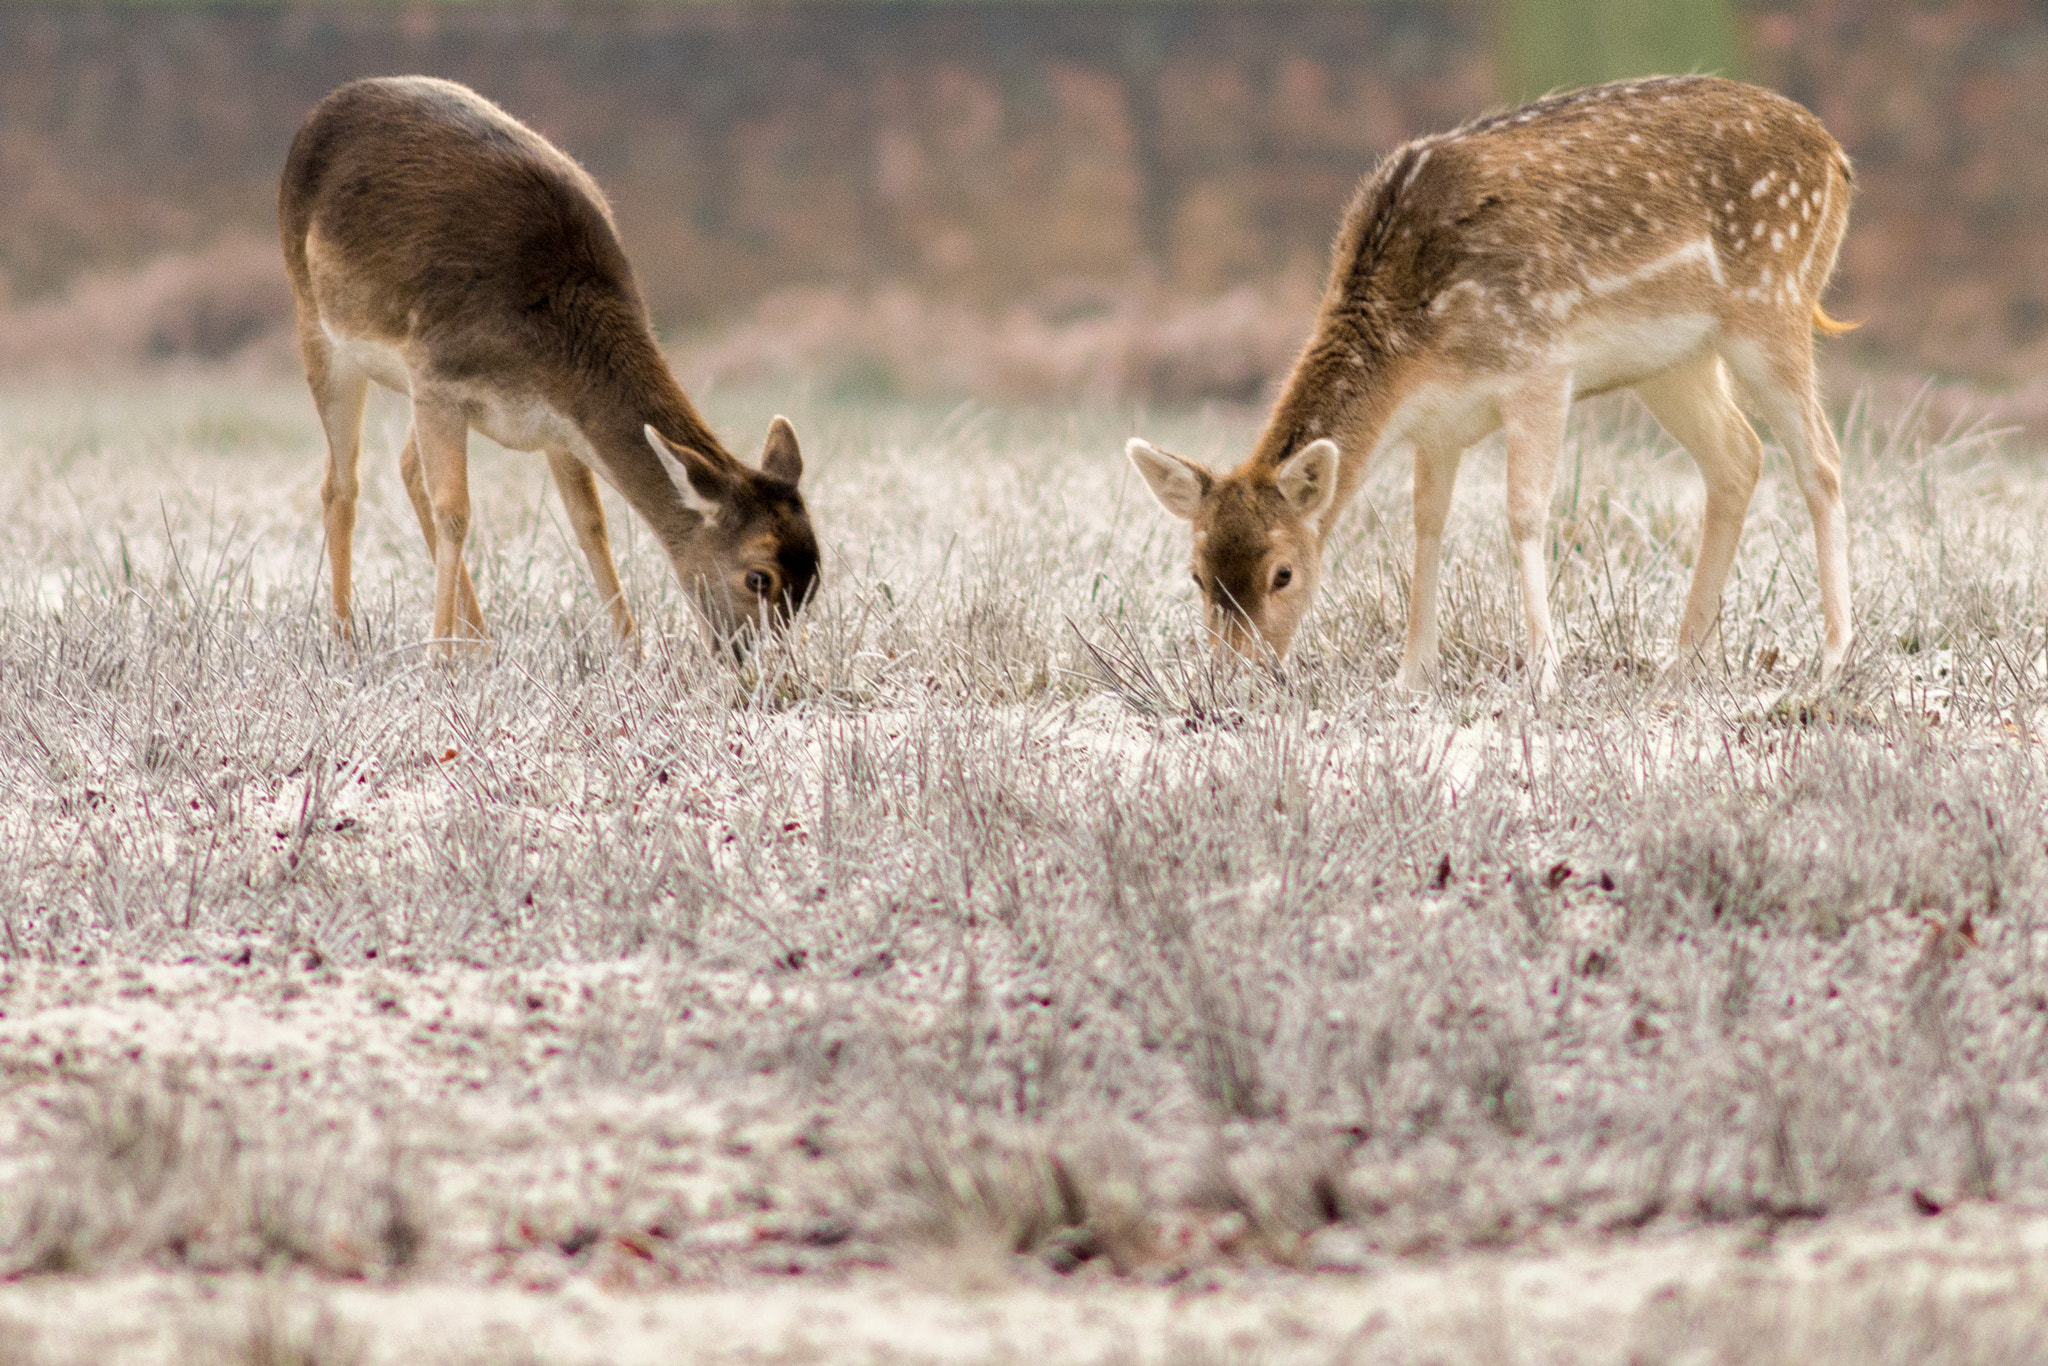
[(443, 249), (1660, 235)]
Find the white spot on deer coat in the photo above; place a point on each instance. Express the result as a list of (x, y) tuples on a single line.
[(1699, 251)]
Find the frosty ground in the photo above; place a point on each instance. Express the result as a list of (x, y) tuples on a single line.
[(980, 974)]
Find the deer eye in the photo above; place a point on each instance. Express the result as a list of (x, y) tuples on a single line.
[(758, 582), (1282, 576)]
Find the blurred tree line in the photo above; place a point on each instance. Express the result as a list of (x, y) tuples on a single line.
[(1544, 45), (1058, 155)]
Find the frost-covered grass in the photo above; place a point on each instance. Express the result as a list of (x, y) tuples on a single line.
[(984, 932)]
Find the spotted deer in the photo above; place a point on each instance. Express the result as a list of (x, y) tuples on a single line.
[(1664, 235), (439, 247)]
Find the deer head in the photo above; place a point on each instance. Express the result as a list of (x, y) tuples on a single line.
[(1258, 538), (753, 560)]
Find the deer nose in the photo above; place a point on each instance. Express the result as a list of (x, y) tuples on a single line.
[(1233, 633)]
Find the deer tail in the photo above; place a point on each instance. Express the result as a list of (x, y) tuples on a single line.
[(1831, 327)]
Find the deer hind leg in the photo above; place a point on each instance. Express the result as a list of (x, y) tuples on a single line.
[(586, 515), (441, 430), (1436, 472), (339, 391), (409, 469), (1695, 405), (1533, 419), (1779, 380)]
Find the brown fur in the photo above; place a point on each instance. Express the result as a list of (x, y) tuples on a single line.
[(438, 246), (1664, 235)]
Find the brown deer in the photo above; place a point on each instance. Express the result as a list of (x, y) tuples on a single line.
[(1660, 235), (443, 249)]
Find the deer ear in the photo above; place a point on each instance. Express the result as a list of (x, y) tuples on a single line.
[(1179, 485), (1308, 479), (706, 481), (780, 458)]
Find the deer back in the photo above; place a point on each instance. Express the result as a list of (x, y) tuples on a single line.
[(415, 212)]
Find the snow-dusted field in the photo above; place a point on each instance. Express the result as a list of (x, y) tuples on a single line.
[(980, 975)]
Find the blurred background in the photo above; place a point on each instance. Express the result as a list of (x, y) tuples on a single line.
[(1014, 199)]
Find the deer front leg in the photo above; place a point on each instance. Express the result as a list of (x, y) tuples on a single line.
[(1533, 418), (1436, 472), (586, 515), (442, 429)]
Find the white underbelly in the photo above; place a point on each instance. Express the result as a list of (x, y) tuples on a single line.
[(523, 423), (1606, 353), (1447, 417), (381, 361), (1600, 354), (519, 422)]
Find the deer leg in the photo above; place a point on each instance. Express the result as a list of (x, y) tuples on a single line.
[(1533, 418), (442, 429), (1782, 386), (1435, 474), (586, 515), (1694, 404), (415, 479), (339, 391)]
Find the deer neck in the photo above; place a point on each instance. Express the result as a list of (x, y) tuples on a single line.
[(641, 391), (1345, 385), (634, 391)]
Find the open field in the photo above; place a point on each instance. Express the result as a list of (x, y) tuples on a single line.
[(979, 975)]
